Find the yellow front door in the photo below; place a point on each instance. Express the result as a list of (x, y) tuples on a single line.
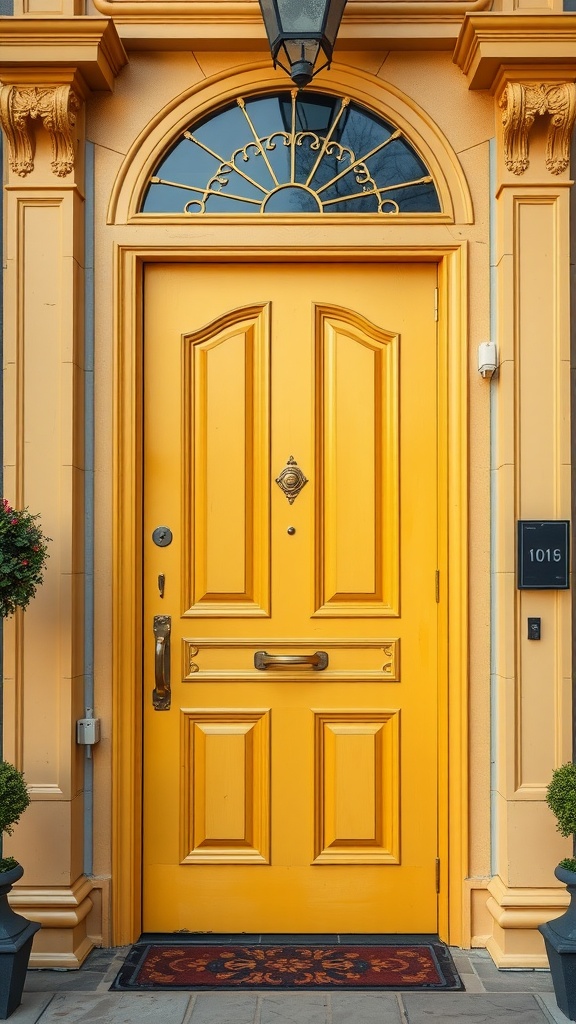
[(290, 459)]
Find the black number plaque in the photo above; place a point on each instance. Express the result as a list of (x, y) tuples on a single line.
[(543, 554)]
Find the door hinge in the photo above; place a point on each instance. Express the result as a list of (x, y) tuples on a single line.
[(437, 585), (436, 305), (437, 874)]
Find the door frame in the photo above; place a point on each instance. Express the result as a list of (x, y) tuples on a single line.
[(127, 628)]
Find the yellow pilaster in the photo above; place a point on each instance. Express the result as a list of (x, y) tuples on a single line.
[(42, 114), (534, 108)]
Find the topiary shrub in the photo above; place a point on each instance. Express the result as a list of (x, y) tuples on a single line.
[(14, 799), (561, 799)]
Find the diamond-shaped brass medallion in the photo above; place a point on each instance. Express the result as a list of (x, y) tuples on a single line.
[(291, 479)]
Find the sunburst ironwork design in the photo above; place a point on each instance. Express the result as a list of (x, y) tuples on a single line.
[(292, 153)]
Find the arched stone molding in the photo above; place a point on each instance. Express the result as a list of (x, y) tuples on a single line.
[(379, 96)]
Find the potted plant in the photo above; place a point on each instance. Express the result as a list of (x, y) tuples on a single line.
[(23, 553), (560, 934), (16, 932)]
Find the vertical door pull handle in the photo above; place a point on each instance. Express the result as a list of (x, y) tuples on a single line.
[(161, 692)]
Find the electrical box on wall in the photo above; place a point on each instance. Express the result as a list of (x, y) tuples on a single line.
[(87, 731), (487, 358)]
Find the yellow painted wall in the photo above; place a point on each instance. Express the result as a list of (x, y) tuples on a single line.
[(433, 92)]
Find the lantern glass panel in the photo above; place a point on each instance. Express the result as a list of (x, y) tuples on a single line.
[(302, 15), (301, 49), (335, 12), (270, 18)]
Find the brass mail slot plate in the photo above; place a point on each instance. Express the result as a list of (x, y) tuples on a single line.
[(349, 660)]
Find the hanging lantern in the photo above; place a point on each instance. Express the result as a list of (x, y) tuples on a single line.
[(302, 33)]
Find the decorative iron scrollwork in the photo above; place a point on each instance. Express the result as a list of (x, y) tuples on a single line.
[(291, 480), (319, 154)]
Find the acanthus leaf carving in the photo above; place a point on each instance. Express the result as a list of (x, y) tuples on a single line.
[(521, 104), (56, 107), (562, 110)]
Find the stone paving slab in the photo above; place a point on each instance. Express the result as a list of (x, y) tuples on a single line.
[(31, 1009), (365, 1008), (464, 1008), (63, 981), (292, 1007), (117, 1008), (224, 1008), (548, 1002), (512, 981)]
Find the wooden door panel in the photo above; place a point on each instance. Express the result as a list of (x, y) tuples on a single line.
[(357, 466), (357, 787), (354, 660), (225, 809), (226, 465)]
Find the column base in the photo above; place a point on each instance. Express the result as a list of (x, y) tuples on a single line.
[(63, 940), (516, 916)]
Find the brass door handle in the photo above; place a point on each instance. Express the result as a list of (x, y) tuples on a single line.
[(161, 694), (317, 661)]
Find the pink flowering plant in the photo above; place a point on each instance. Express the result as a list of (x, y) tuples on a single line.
[(23, 554)]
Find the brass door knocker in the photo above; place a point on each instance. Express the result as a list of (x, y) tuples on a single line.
[(291, 479)]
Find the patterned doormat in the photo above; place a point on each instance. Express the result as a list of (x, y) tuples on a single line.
[(290, 962)]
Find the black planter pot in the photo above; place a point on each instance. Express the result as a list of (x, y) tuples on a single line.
[(16, 935), (560, 939)]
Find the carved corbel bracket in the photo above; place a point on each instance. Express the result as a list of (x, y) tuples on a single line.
[(56, 106), (520, 105)]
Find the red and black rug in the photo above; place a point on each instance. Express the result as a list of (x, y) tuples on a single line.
[(368, 962)]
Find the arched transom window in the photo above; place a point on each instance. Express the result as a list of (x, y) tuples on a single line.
[(292, 152)]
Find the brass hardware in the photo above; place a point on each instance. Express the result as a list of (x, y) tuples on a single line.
[(291, 530), (192, 666), (390, 667), (161, 582), (161, 693), (291, 480), (318, 661)]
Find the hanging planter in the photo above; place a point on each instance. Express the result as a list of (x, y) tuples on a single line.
[(23, 554)]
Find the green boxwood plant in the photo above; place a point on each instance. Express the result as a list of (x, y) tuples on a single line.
[(23, 554), (561, 799), (14, 799)]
